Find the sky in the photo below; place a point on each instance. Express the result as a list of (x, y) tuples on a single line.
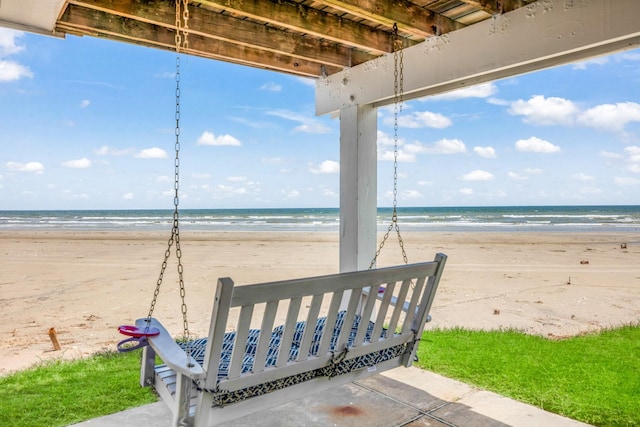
[(87, 123)]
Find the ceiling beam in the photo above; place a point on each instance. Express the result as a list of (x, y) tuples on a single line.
[(226, 28), (409, 17), (489, 50), (299, 18), (83, 21), (495, 7)]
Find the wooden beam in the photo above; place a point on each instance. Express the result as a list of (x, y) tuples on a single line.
[(82, 21), (304, 19), (409, 17), (208, 23), (538, 36), (495, 7)]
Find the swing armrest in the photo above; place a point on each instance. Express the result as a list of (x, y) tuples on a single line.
[(170, 352), (393, 301)]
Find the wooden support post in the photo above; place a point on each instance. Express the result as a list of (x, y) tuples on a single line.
[(358, 187), (54, 339)]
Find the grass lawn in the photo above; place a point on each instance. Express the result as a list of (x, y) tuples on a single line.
[(67, 392), (591, 378)]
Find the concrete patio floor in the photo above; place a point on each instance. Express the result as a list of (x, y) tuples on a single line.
[(400, 397)]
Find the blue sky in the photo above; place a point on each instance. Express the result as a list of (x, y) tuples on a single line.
[(89, 124)]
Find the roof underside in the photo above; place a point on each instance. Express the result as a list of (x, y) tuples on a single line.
[(303, 37)]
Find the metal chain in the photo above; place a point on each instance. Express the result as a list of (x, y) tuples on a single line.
[(398, 90), (181, 44)]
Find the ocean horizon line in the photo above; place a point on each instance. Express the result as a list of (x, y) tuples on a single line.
[(399, 208), (479, 218)]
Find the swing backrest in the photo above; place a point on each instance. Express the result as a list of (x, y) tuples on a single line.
[(383, 308)]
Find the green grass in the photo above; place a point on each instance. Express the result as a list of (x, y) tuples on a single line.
[(66, 392), (591, 378)]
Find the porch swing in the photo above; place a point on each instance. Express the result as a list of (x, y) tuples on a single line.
[(239, 369)]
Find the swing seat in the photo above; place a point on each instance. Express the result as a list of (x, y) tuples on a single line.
[(335, 329)]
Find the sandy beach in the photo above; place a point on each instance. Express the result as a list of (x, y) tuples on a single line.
[(85, 284)]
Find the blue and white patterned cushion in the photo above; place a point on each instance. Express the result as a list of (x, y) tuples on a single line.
[(197, 347)]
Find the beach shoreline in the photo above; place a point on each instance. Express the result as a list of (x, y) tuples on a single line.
[(86, 283)]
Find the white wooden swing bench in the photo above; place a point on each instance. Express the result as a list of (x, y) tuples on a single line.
[(232, 374)]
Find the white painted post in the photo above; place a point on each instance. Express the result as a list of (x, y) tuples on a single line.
[(358, 186)]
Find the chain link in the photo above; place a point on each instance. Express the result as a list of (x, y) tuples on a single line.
[(398, 90), (181, 44)]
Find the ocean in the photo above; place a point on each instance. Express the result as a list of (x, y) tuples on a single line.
[(450, 219)]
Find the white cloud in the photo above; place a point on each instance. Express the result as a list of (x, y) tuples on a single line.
[(83, 163), (590, 191), (612, 117), (545, 111), (328, 166), (477, 175), (152, 153), (69, 195), (384, 139), (517, 176), (449, 146), (291, 194), (308, 124), (583, 177), (536, 145), (486, 152), (498, 101), (35, 167), (411, 195), (103, 151), (166, 75), (583, 65), (106, 150), (388, 156), (622, 181), (422, 119), (312, 127), (610, 155), (635, 168), (633, 152), (128, 196), (11, 71), (8, 44), (236, 178), (482, 90), (533, 171), (229, 190), (444, 146), (200, 175), (272, 160), (208, 138), (84, 103), (306, 81), (271, 87), (466, 191)]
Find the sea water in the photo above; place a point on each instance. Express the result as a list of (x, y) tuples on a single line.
[(497, 218)]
